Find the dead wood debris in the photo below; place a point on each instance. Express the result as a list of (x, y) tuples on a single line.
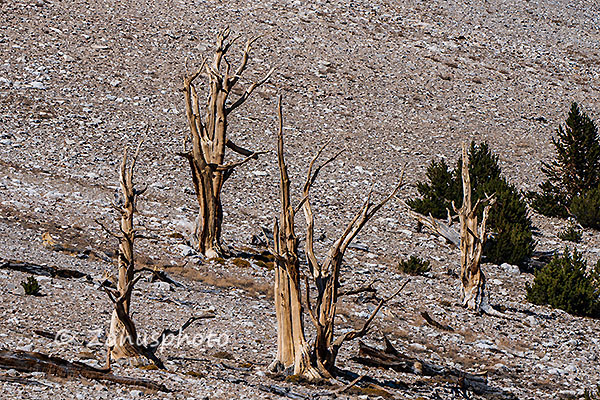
[(434, 323), (158, 275), (27, 361), (393, 359), (44, 270), (437, 227)]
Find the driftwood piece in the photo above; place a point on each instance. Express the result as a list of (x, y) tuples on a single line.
[(158, 275), (27, 361), (434, 323), (437, 227), (44, 270), (393, 359)]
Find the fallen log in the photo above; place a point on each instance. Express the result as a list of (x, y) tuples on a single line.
[(27, 361), (162, 276), (44, 270), (434, 323), (393, 359), (437, 227), (22, 381)]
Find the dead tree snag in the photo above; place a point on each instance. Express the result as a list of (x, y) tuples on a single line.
[(293, 351), (472, 240), (122, 339), (208, 139)]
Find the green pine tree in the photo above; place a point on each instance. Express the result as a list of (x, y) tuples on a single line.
[(564, 283), (512, 241), (576, 169), (438, 192)]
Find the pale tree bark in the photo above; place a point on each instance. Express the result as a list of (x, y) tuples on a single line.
[(28, 361), (293, 351), (292, 347), (472, 239), (208, 139), (437, 227), (122, 339)]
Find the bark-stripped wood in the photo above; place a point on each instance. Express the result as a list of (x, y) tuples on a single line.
[(472, 239), (293, 350), (208, 139), (437, 227), (26, 361), (292, 347), (393, 359), (122, 338)]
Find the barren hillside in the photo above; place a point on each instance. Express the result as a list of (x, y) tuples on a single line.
[(393, 83)]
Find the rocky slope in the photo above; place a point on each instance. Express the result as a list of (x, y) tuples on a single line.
[(392, 83)]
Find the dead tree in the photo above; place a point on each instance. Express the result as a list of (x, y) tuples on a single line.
[(122, 338), (391, 358), (293, 350), (208, 139), (472, 240)]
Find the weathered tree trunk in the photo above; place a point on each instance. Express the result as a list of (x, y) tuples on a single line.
[(292, 347), (122, 339), (208, 138), (472, 239)]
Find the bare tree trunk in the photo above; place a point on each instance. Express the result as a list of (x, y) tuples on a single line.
[(121, 340), (207, 230), (208, 138), (472, 239), (292, 347)]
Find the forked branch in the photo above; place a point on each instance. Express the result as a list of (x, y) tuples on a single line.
[(242, 99), (355, 334)]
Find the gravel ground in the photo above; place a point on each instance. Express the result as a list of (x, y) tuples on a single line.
[(392, 83)]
